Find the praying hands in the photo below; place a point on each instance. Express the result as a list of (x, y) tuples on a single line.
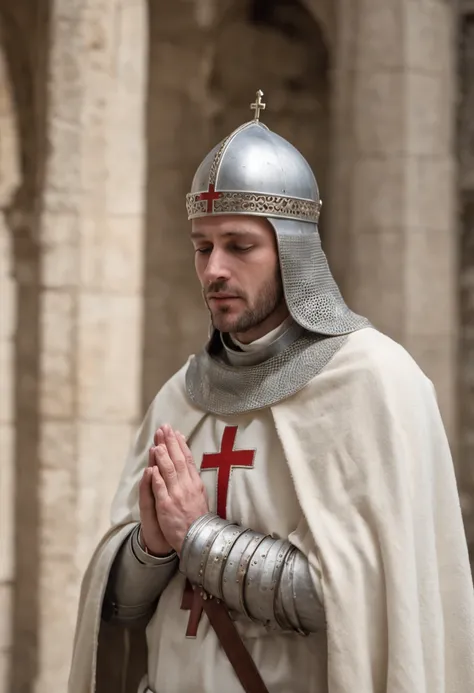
[(171, 494)]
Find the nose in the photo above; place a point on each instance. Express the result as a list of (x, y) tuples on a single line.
[(216, 268)]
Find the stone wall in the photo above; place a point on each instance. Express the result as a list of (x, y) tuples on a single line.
[(466, 265), (9, 175), (91, 232), (392, 237), (24, 40), (75, 226)]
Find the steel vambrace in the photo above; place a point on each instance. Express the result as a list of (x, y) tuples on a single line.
[(266, 579)]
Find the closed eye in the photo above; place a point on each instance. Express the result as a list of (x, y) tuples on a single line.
[(206, 250), (240, 248)]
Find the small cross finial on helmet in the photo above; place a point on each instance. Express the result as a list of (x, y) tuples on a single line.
[(258, 105)]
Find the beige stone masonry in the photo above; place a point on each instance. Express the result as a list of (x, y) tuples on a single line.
[(91, 317), (392, 237)]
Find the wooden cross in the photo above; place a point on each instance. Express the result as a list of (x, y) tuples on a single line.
[(258, 105), (224, 462)]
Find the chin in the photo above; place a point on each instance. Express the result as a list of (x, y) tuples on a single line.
[(225, 323)]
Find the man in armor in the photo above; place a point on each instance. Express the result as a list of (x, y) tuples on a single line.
[(288, 518)]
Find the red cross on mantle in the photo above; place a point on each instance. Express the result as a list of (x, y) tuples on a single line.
[(223, 461), (210, 196)]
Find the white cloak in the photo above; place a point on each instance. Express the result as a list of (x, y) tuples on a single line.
[(373, 476), (257, 492)]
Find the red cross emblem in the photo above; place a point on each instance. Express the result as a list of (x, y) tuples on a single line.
[(210, 196), (224, 462)]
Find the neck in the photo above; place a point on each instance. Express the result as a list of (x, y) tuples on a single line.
[(270, 345), (263, 328)]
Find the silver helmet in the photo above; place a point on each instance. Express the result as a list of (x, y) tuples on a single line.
[(256, 172)]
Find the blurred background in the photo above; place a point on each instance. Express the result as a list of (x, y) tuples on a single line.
[(106, 109)]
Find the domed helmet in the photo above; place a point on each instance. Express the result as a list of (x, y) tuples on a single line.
[(256, 172)]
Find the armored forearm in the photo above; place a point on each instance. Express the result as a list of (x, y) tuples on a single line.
[(136, 581), (266, 579)]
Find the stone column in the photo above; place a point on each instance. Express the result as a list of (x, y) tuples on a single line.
[(393, 228), (466, 265), (91, 235), (9, 179)]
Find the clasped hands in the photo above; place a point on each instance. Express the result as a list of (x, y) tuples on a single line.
[(171, 493)]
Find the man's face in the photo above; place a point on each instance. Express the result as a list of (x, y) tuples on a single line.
[(237, 264)]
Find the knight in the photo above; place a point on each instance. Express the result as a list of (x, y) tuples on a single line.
[(287, 518)]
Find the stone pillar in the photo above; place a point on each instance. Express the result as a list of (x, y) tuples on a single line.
[(91, 237), (392, 230), (466, 265), (9, 178)]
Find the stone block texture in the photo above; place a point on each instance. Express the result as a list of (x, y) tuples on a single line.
[(91, 321), (392, 192)]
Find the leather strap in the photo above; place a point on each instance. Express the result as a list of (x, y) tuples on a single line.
[(233, 646)]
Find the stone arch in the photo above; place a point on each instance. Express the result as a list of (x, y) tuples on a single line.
[(204, 69), (324, 13)]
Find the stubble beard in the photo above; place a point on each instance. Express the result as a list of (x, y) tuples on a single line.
[(270, 297)]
